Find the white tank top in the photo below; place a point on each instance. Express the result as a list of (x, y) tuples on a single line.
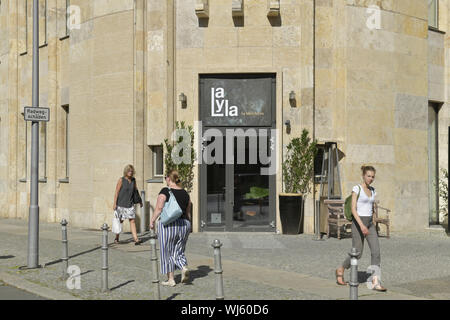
[(364, 206)]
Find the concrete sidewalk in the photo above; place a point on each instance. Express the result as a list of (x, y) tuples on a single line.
[(256, 266)]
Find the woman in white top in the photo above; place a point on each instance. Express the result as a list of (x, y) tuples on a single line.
[(363, 201)]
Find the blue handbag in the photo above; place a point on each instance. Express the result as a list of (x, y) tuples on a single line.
[(171, 211)]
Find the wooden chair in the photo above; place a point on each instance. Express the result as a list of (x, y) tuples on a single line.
[(381, 220), (336, 216)]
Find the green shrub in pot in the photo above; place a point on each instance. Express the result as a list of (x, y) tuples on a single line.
[(298, 171)]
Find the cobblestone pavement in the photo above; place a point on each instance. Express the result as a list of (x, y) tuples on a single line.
[(256, 266)]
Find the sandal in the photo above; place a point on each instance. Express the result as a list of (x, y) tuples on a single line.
[(116, 241), (378, 287), (138, 243), (340, 275)]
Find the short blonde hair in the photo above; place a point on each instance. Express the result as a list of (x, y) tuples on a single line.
[(128, 168)]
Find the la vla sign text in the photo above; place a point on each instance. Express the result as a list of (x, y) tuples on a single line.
[(220, 107)]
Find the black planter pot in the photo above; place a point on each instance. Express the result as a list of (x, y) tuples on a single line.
[(291, 213)]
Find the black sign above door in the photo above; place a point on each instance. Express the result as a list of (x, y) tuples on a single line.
[(237, 100)]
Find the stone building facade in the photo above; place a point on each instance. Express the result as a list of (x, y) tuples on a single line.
[(366, 74)]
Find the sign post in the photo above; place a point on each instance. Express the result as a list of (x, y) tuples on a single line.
[(33, 222)]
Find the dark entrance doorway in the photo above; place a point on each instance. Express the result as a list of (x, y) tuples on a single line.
[(237, 187)]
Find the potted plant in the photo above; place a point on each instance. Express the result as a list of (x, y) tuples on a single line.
[(185, 168), (258, 197), (298, 171)]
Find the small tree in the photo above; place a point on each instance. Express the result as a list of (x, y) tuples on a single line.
[(179, 149), (443, 193), (298, 167)]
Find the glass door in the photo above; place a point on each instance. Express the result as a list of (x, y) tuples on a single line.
[(235, 195), (214, 198), (252, 199)]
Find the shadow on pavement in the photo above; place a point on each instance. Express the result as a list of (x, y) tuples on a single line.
[(201, 272), (72, 256), (173, 296), (121, 285), (6, 257)]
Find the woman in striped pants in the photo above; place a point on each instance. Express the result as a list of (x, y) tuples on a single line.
[(173, 237)]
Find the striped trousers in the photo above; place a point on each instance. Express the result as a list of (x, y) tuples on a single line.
[(172, 244)]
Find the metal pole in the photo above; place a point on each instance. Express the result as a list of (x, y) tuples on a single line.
[(354, 274), (318, 236), (143, 212), (33, 222), (154, 262), (105, 258), (65, 251), (218, 270)]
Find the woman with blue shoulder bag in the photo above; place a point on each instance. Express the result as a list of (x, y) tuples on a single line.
[(173, 206)]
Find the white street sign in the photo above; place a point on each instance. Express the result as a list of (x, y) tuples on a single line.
[(37, 114)]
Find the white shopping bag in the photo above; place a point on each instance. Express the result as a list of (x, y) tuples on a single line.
[(116, 225)]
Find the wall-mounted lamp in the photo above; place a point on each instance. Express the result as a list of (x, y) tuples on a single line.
[(293, 99), (183, 99), (292, 96), (287, 123)]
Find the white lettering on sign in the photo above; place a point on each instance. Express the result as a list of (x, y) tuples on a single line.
[(220, 106)]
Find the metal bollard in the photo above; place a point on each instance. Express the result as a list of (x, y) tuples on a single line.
[(143, 217), (65, 249), (218, 270), (154, 262), (354, 274), (105, 258)]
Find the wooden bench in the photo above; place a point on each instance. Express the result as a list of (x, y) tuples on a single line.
[(336, 217)]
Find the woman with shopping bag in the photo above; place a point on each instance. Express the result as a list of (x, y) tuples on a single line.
[(173, 206), (125, 197)]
